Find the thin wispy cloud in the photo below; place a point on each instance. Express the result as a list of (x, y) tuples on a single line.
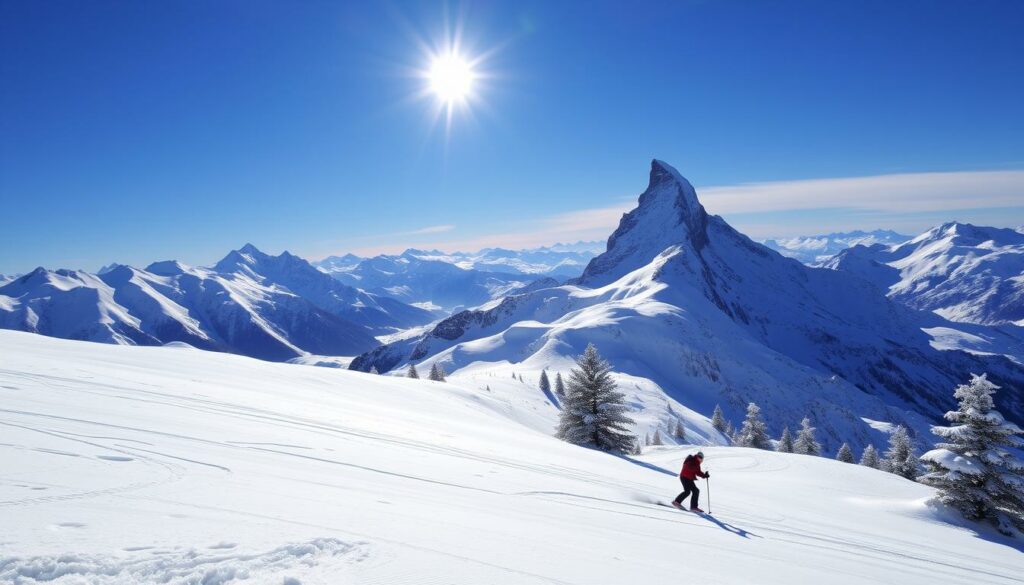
[(434, 229), (909, 202), (901, 193), (584, 224)]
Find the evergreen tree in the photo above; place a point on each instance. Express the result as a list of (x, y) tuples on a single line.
[(899, 459), (412, 373), (680, 432), (657, 440), (647, 440), (734, 437), (754, 433), (718, 420), (805, 443), (636, 448), (870, 457), (545, 385), (437, 373), (845, 454), (594, 411), (488, 388), (975, 470), (373, 370), (559, 385), (785, 444)]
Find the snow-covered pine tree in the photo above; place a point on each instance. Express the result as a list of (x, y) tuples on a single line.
[(734, 437), (718, 420), (870, 457), (373, 370), (637, 448), (754, 433), (594, 411), (559, 385), (411, 372), (545, 385), (437, 372), (488, 388), (785, 444), (899, 458), (657, 440), (680, 432), (845, 454), (647, 440), (974, 470), (805, 443)]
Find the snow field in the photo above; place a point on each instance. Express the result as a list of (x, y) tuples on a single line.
[(127, 464)]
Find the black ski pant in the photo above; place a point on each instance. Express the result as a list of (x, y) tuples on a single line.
[(689, 487)]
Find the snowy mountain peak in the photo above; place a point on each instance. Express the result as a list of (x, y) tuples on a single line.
[(961, 271), (246, 256), (120, 274), (108, 268), (38, 277), (250, 250), (668, 213), (167, 268), (665, 179), (969, 233)]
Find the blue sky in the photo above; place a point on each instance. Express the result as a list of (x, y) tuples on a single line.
[(140, 131)]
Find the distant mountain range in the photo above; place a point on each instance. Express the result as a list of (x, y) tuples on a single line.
[(963, 272), (448, 282), (251, 303), (817, 249), (683, 302), (275, 307)]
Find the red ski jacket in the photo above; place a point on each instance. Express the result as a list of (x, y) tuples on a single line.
[(691, 469)]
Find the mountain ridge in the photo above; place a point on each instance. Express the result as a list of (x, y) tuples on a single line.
[(963, 272), (675, 282), (270, 307)]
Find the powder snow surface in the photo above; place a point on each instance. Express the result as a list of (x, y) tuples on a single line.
[(124, 464)]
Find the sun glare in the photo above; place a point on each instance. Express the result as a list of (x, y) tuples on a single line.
[(451, 78)]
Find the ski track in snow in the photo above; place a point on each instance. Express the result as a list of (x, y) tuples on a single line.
[(246, 471), (179, 567)]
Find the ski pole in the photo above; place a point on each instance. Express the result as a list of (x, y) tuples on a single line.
[(708, 480)]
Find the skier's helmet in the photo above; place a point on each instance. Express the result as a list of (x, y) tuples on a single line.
[(700, 454)]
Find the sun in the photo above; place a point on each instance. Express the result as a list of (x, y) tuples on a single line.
[(451, 78)]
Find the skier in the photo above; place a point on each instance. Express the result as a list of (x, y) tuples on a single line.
[(691, 471)]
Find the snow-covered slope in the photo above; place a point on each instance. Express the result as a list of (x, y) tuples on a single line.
[(963, 272), (425, 280), (170, 465), (816, 249), (686, 303), (271, 307)]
